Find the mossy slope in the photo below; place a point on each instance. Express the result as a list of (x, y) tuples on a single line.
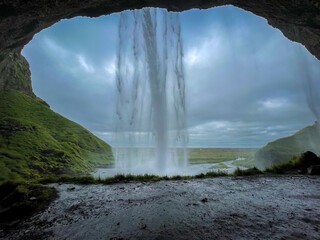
[(37, 142), (284, 149)]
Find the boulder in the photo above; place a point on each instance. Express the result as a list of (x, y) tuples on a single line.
[(314, 170)]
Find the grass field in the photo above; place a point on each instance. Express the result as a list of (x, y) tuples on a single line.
[(248, 163), (218, 155)]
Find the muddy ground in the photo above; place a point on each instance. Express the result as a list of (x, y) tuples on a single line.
[(279, 207)]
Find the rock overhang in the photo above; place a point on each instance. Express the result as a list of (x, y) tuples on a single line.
[(298, 20)]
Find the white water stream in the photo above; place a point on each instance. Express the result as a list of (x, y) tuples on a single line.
[(151, 134)]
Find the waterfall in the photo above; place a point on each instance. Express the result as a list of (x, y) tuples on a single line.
[(309, 82), (151, 134)]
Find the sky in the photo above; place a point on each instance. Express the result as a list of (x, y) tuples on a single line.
[(245, 81)]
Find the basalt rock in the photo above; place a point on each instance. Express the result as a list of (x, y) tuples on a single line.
[(15, 72), (314, 170)]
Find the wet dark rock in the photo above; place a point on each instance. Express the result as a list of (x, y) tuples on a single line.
[(144, 226), (204, 200), (309, 158), (314, 170), (12, 223), (71, 188), (74, 208)]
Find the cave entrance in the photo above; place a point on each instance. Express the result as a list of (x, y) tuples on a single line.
[(243, 77)]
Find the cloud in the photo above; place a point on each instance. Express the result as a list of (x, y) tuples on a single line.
[(193, 56), (274, 103), (83, 63), (200, 53), (110, 68), (54, 48)]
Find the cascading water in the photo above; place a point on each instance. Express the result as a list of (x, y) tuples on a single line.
[(151, 134)]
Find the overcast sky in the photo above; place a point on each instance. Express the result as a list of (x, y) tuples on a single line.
[(245, 80)]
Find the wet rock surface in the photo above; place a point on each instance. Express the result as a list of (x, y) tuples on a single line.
[(278, 207)]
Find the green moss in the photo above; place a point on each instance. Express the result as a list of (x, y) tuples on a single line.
[(18, 200), (120, 178), (20, 76), (247, 172), (216, 174), (37, 142)]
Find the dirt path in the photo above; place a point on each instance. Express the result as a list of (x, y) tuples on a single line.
[(282, 207)]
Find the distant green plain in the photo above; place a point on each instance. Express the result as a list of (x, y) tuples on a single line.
[(218, 155)]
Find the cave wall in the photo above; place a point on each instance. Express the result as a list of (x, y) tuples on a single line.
[(15, 72), (20, 20)]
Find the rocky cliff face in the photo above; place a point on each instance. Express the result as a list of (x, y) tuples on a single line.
[(15, 72)]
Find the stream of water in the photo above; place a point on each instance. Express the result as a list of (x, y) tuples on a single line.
[(151, 94)]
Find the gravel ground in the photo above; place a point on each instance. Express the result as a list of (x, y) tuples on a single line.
[(278, 207)]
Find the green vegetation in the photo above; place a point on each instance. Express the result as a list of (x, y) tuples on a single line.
[(247, 172), (300, 163), (120, 178), (282, 150), (36, 142), (217, 155), (20, 199), (248, 163)]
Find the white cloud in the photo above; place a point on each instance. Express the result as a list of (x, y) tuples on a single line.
[(54, 48), (193, 56), (70, 60), (274, 103), (209, 125), (110, 67), (83, 62), (204, 50)]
